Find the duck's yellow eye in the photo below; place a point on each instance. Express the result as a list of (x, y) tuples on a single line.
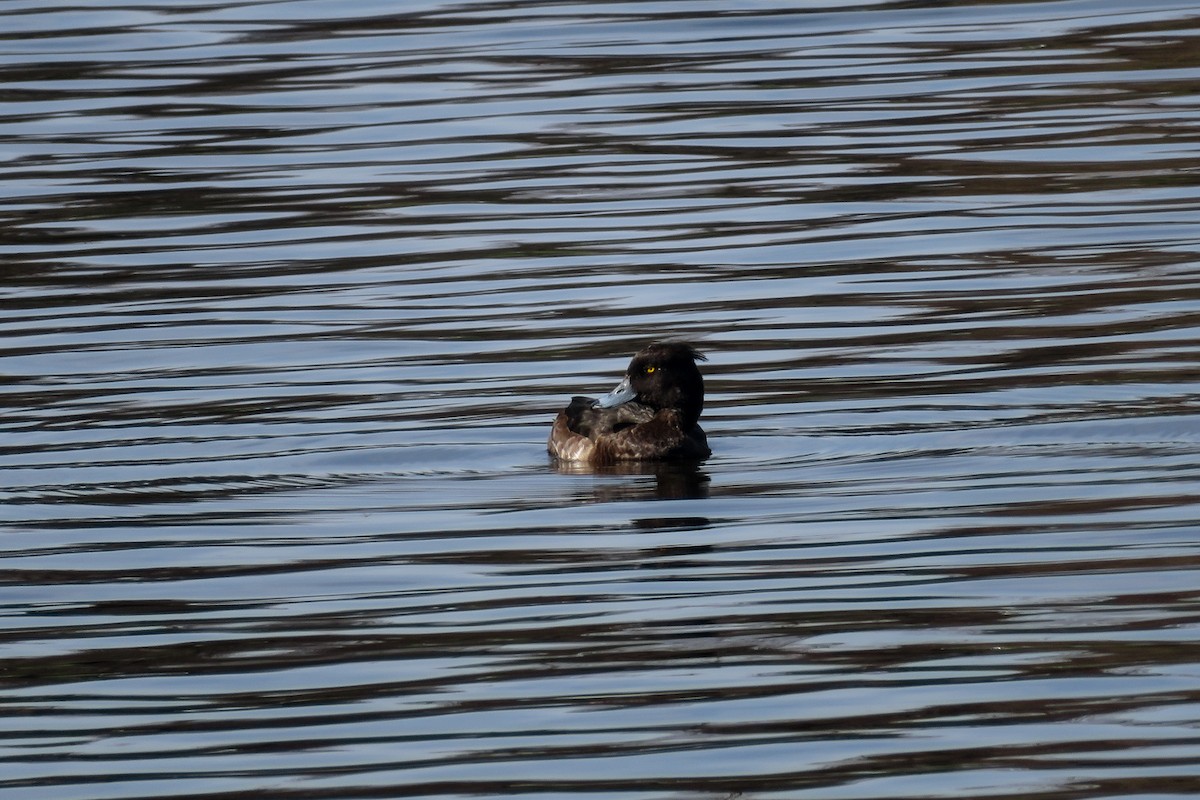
[(650, 370)]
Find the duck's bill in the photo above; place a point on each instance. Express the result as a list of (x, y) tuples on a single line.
[(622, 394)]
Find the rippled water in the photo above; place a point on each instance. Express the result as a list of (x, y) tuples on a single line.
[(292, 291)]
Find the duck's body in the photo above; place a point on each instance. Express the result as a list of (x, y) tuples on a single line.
[(651, 416)]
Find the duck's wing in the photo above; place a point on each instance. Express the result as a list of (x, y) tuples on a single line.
[(585, 418), (582, 424), (566, 444), (660, 438)]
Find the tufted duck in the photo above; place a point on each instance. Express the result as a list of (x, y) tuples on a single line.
[(651, 416)]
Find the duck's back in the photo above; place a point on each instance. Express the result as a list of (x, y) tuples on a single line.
[(628, 432), (586, 418)]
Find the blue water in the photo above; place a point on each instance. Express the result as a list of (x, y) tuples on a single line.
[(292, 291)]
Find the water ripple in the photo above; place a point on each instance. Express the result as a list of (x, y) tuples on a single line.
[(293, 291)]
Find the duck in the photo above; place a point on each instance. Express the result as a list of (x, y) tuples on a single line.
[(652, 415)]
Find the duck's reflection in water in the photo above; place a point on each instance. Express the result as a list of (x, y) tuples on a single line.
[(682, 480)]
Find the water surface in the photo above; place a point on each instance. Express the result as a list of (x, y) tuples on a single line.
[(292, 291)]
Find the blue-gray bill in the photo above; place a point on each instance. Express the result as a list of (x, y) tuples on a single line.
[(622, 394)]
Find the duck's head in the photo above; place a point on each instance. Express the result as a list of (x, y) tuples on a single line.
[(663, 375)]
